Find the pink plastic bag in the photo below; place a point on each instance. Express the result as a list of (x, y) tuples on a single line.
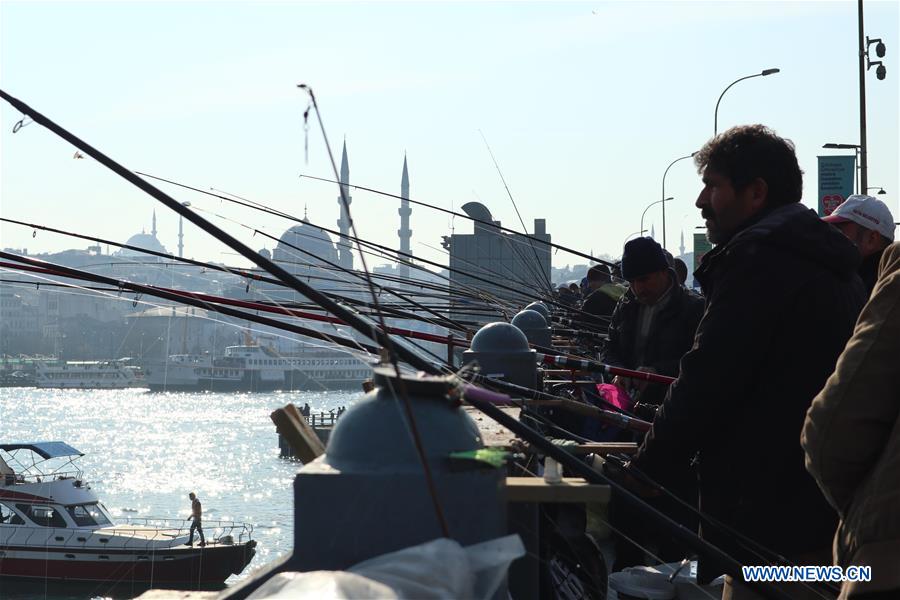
[(615, 395)]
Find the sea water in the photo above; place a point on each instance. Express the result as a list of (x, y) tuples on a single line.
[(145, 451)]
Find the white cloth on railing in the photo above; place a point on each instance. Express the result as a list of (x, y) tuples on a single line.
[(439, 569)]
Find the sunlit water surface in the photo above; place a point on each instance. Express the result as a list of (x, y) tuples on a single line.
[(145, 451)]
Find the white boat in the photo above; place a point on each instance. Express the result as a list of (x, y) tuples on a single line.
[(88, 374), (53, 527), (252, 367)]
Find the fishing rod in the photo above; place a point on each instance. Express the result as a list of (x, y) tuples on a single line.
[(540, 292), (278, 272), (595, 367), (518, 214), (404, 401), (371, 284), (464, 216), (250, 275), (48, 268), (351, 238)]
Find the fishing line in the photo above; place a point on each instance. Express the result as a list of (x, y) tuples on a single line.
[(518, 214)]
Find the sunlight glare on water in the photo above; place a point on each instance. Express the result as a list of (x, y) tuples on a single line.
[(145, 451)]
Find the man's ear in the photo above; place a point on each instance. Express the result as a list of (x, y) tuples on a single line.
[(759, 193)]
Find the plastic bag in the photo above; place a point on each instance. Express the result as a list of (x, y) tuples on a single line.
[(439, 569)]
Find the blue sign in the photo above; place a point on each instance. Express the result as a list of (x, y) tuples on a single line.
[(836, 175)]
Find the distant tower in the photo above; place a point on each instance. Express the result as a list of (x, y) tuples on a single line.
[(681, 247), (345, 258), (153, 231), (653, 232), (180, 236), (404, 211)]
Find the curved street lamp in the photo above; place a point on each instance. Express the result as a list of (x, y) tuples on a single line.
[(761, 74), (877, 187), (664, 193), (663, 202)]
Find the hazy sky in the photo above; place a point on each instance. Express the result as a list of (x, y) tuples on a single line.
[(584, 105)]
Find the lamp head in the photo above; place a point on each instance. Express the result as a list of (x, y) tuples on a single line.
[(770, 72)]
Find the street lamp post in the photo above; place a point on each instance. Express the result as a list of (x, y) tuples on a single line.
[(881, 72), (876, 187), (663, 201), (855, 148), (761, 74), (664, 194)]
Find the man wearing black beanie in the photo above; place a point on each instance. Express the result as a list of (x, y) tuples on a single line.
[(652, 328)]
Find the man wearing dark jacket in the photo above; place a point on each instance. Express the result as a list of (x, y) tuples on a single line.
[(652, 328), (654, 323), (782, 296)]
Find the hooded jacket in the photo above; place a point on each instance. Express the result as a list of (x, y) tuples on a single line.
[(782, 296), (852, 438)]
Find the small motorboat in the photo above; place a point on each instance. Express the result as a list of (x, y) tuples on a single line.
[(53, 527)]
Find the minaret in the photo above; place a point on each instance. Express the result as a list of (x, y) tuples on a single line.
[(180, 236), (345, 258), (153, 231), (404, 211), (652, 232), (681, 247)]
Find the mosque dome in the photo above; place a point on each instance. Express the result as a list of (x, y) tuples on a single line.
[(142, 240), (314, 242)]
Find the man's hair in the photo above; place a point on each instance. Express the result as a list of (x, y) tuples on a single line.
[(192, 495), (598, 273), (747, 152)]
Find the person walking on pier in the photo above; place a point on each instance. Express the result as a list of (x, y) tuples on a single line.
[(196, 520), (782, 296)]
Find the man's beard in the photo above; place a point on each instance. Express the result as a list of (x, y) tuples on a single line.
[(713, 233)]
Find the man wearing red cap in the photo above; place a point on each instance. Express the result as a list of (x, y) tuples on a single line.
[(868, 223)]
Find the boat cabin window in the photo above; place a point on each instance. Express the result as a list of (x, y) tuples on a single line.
[(9, 517), (45, 516), (87, 515)]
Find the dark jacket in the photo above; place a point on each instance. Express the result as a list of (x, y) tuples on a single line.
[(599, 306), (781, 299), (671, 336), (852, 438)]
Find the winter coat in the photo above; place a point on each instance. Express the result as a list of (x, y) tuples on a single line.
[(599, 306), (671, 336), (852, 438), (782, 296)]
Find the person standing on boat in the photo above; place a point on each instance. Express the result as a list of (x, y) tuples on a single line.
[(852, 440), (868, 223), (782, 296), (196, 520)]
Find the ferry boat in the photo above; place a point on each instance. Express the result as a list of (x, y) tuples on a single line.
[(53, 527), (256, 368), (88, 374)]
